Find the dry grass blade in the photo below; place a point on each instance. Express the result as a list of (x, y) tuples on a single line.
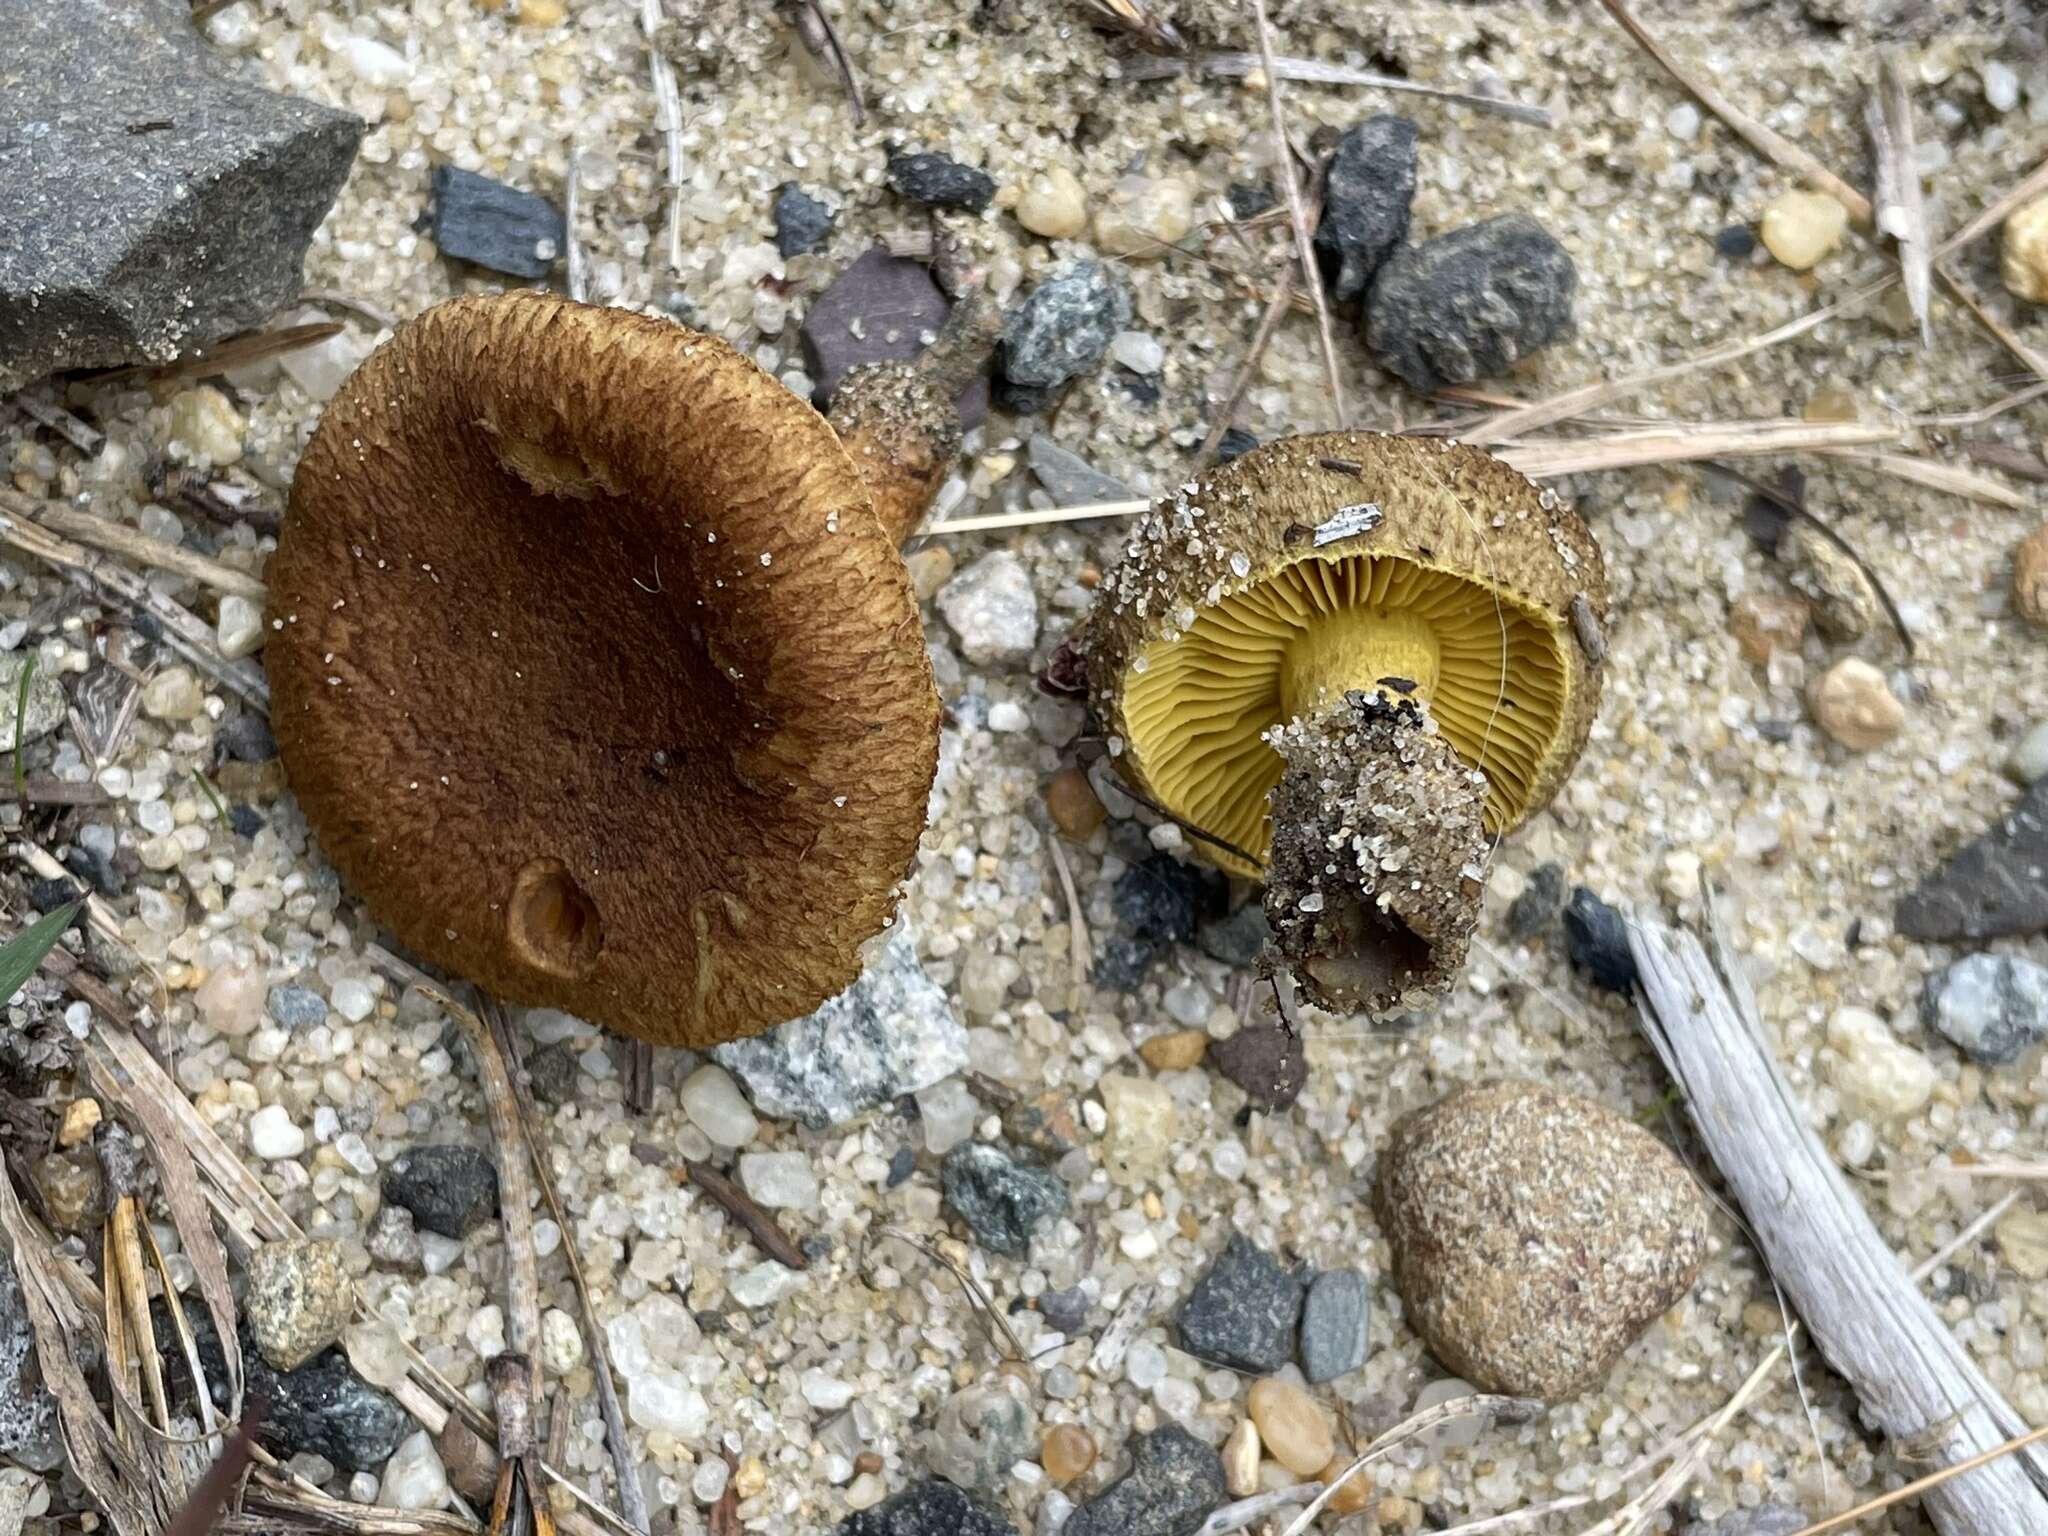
[(1937, 477), (1919, 1486), (668, 116), (107, 1473), (2030, 357), (1487, 1407), (1767, 142), (1276, 306), (1304, 244), (1077, 925), (188, 1345), (2017, 462), (1901, 212), (235, 352), (1033, 519), (515, 1188), (1316, 72), (119, 539), (126, 1276), (1682, 443), (104, 578)]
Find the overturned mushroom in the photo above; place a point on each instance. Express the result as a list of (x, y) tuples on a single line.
[(594, 672), (1347, 663)]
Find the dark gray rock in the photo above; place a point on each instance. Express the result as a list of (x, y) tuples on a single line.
[(892, 1032), (1266, 1060), (492, 225), (801, 221), (296, 1007), (1238, 939), (1365, 202), (1764, 1520), (940, 181), (322, 1409), (1536, 908), (246, 739), (1598, 940), (450, 1190), (1336, 1325), (1161, 899), (1065, 325), (1002, 1200), (1993, 1007), (1244, 1311), (1071, 479), (155, 199), (881, 309), (1735, 243), (1236, 444), (1173, 1484), (928, 1509), (1467, 305), (1065, 1310), (1123, 963), (1248, 199), (28, 1413), (902, 1164), (552, 1071), (245, 820), (1994, 886)]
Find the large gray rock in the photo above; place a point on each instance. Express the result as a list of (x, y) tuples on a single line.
[(154, 199), (892, 1032), (1994, 886)]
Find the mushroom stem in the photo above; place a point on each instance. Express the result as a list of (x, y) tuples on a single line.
[(898, 421), (1395, 653), (1379, 850)]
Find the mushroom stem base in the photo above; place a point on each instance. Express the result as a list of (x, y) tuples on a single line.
[(1379, 853)]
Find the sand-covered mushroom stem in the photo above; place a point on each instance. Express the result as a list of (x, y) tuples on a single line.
[(595, 674), (1348, 662)]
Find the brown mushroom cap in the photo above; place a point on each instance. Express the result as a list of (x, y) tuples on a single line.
[(594, 672), (1241, 602)]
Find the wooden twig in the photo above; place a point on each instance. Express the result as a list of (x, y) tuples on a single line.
[(1316, 72), (1682, 442), (1032, 519), (60, 421), (2029, 356), (1768, 142), (217, 357), (815, 31), (1304, 239), (2017, 462), (1901, 211), (120, 539), (1923, 1484), (1935, 476), (1912, 1378), (1276, 306), (743, 1208)]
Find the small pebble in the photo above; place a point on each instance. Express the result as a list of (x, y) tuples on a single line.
[(1066, 1453), (1173, 1483), (1801, 228), (1175, 1051), (2030, 577), (296, 1007), (1367, 192), (450, 1190), (1002, 1200), (1267, 1060), (1845, 604), (1993, 1007), (1292, 1425), (1140, 1120), (1598, 940), (939, 181), (2023, 1243), (1852, 702), (1244, 1310), (1143, 215), (70, 1184), (1336, 1325), (1137, 351), (1353, 1494), (981, 1433), (273, 1136), (2023, 257), (205, 428), (1071, 802), (992, 609), (1535, 1234), (1875, 1071), (2029, 760), (238, 627), (414, 1477), (779, 1180), (1064, 326), (1535, 908), (1764, 1520), (924, 1509), (1242, 1454), (1470, 304), (1735, 242), (493, 225), (1765, 623), (1054, 204), (802, 223), (81, 1119), (716, 1106), (298, 1300)]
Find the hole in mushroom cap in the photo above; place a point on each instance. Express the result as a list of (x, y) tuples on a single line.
[(551, 923), (552, 474), (1378, 956)]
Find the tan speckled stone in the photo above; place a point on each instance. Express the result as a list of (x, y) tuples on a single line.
[(1535, 1234), (299, 1299)]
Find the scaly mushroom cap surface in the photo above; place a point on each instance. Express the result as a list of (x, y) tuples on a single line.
[(594, 672), (1275, 584)]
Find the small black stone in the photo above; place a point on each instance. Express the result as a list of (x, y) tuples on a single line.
[(1737, 242), (1238, 939), (1066, 1310), (1022, 399), (1779, 731), (49, 895), (245, 820), (1002, 1200), (1236, 444), (1162, 899), (881, 309), (1267, 1061), (1140, 387), (450, 1190), (1992, 887), (552, 1071), (801, 221), (479, 220), (929, 1509), (323, 1408), (1248, 199), (902, 1164), (28, 1412), (1366, 201), (1063, 327), (1123, 963), (1598, 939), (246, 739), (1244, 1311), (1467, 305), (1536, 908), (1173, 1484), (100, 874), (940, 181)]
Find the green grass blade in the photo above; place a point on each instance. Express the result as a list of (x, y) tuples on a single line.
[(28, 676), (20, 955)]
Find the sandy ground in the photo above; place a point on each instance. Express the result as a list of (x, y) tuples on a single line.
[(1810, 843)]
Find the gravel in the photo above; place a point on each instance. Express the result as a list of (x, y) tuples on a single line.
[(1469, 305), (1173, 1483), (505, 229), (449, 1190), (1993, 1007), (1244, 1311), (1336, 1325), (802, 223), (1002, 1200), (1365, 202)]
